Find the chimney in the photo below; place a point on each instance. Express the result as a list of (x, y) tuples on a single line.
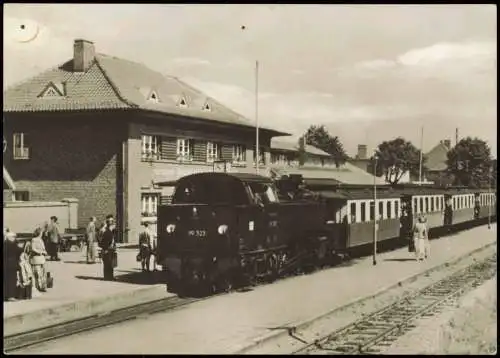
[(83, 55), (361, 151), (447, 143)]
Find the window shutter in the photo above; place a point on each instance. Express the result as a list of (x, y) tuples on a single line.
[(200, 151), (168, 148), (227, 152)]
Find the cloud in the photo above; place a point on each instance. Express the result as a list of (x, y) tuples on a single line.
[(445, 52), (190, 61)]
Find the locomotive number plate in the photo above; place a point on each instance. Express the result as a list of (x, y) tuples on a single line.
[(197, 233)]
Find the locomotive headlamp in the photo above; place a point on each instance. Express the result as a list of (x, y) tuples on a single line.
[(222, 229), (170, 228)]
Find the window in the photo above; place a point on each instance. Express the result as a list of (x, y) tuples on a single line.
[(185, 149), (426, 205), (389, 209), (381, 210), (421, 205), (442, 202), (213, 151), (415, 205), (21, 195), (151, 147), (433, 199), (149, 204), (372, 210), (353, 212), (277, 158), (239, 153), (21, 150), (363, 212), (396, 209)]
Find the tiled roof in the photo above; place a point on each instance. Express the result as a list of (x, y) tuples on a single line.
[(436, 158), (347, 174), (114, 83), (289, 145)]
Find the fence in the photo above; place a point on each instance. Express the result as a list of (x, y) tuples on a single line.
[(24, 216)]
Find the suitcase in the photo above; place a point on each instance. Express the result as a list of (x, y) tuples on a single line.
[(25, 292), (50, 280)]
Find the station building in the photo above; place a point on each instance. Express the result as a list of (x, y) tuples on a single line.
[(105, 130)]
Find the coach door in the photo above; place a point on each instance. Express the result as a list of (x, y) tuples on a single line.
[(406, 219)]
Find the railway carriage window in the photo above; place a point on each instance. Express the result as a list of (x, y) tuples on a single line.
[(432, 204), (353, 212), (372, 210), (396, 209), (415, 205), (442, 202), (426, 205), (421, 205), (381, 210), (454, 203), (389, 209), (363, 212)]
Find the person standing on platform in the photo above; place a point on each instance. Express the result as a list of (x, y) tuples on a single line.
[(11, 254), (145, 247), (54, 239), (108, 246), (427, 244), (37, 260), (419, 236), (91, 241)]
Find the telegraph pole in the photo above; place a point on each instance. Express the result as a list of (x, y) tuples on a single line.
[(257, 149), (490, 174)]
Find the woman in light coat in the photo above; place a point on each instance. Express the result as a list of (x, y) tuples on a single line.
[(37, 260)]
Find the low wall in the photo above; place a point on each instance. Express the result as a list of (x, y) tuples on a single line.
[(24, 216)]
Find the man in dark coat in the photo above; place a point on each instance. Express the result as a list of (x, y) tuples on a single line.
[(108, 246), (54, 238)]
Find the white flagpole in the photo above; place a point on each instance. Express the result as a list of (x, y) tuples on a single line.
[(421, 155)]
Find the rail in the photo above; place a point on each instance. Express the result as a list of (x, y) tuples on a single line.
[(370, 334)]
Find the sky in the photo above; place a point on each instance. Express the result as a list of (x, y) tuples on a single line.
[(369, 73)]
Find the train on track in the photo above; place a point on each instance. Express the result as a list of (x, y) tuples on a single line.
[(224, 230)]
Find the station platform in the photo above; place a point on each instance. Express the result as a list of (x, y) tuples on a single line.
[(227, 323), (79, 289)]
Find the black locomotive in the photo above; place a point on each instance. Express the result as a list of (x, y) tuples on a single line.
[(223, 230)]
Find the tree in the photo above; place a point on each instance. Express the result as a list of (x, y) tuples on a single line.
[(319, 137), (396, 157), (470, 163)]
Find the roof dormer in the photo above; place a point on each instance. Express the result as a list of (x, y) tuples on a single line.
[(53, 90), (207, 107), (182, 102), (153, 97)]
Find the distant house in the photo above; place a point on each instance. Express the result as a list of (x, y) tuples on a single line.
[(436, 163), (318, 164), (106, 130), (363, 162)]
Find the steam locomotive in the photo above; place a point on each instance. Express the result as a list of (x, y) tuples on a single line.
[(224, 230)]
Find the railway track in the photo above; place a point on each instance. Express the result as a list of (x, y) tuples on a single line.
[(17, 342), (378, 330)]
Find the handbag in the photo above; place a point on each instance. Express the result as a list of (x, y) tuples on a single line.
[(50, 280), (138, 258)]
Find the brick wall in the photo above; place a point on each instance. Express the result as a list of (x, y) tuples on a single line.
[(72, 155)]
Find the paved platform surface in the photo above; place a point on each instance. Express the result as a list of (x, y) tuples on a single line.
[(80, 286), (224, 324)]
